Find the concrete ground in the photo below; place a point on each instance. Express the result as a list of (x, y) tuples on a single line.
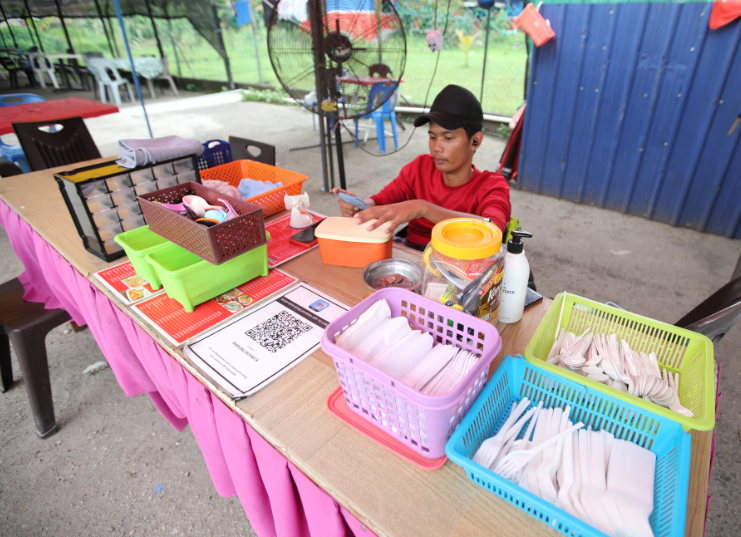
[(117, 467)]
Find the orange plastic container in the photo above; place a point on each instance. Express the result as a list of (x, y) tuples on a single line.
[(271, 202), (534, 25), (344, 243)]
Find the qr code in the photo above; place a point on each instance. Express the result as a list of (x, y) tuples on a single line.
[(278, 331)]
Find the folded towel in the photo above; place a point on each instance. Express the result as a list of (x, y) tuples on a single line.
[(133, 153), (221, 187), (249, 188)]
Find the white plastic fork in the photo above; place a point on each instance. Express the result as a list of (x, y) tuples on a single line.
[(516, 460), (490, 447), (511, 436)]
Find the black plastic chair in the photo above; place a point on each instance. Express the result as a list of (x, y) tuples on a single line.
[(252, 150), (9, 168), (10, 65), (69, 144), (26, 325), (717, 314)]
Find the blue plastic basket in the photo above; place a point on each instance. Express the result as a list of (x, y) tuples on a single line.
[(216, 153), (516, 378)]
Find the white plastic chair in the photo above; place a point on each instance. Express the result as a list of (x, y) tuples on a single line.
[(108, 77), (40, 65)]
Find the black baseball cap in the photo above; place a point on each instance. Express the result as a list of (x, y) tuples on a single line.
[(453, 108)]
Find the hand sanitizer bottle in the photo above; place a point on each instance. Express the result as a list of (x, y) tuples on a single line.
[(514, 282)]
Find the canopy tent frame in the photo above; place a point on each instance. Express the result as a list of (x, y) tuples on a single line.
[(10, 28), (205, 21), (33, 23)]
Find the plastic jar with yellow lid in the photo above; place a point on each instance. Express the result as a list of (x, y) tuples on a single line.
[(464, 266)]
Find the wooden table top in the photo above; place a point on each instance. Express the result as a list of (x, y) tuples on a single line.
[(56, 109), (387, 494)]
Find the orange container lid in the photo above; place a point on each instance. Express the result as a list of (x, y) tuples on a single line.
[(345, 229)]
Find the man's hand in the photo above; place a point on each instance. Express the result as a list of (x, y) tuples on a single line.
[(346, 209), (394, 215)]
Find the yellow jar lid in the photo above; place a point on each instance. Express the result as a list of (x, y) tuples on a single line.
[(466, 238)]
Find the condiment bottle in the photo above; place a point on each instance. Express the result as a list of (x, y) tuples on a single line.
[(514, 282)]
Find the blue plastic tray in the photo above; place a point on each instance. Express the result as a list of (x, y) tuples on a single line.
[(514, 379)]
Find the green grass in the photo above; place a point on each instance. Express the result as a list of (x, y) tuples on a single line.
[(505, 70)]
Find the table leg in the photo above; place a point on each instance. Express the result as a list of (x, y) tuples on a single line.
[(150, 84)]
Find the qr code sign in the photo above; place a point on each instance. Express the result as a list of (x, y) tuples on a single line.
[(278, 331)]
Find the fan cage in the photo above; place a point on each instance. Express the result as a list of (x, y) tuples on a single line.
[(360, 54)]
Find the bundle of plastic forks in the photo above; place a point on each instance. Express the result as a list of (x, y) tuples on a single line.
[(603, 481)]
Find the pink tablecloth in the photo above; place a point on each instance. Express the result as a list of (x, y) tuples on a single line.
[(277, 497)]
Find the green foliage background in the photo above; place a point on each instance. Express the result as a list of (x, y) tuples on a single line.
[(505, 69)]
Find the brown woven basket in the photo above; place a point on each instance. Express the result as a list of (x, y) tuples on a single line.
[(216, 244)]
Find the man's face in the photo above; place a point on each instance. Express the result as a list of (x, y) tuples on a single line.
[(450, 149)]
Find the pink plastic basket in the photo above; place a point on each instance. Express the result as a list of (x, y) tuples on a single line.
[(421, 422)]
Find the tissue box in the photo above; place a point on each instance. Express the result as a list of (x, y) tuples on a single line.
[(344, 243)]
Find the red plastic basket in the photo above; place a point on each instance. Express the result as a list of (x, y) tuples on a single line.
[(421, 422), (216, 244), (271, 202), (534, 25)]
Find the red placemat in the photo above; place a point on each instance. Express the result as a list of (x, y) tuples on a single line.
[(57, 109), (337, 405), (124, 282), (280, 248), (169, 318)]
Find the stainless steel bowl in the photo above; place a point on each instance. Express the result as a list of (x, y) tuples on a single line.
[(392, 273)]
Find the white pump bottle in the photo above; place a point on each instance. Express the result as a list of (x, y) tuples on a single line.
[(514, 281)]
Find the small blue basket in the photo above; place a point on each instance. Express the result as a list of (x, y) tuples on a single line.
[(516, 378), (215, 153)]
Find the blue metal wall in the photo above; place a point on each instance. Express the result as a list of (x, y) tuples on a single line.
[(629, 108)]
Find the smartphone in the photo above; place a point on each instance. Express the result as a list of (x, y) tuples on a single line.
[(532, 297), (306, 237)]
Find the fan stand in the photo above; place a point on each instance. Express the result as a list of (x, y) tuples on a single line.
[(340, 154)]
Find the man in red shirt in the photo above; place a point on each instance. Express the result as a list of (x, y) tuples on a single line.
[(443, 184)]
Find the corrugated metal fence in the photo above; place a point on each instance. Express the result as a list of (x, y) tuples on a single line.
[(629, 108)]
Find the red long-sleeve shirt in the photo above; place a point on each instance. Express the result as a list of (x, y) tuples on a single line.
[(485, 194)]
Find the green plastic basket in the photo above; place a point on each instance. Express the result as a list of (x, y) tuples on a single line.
[(688, 353), (137, 243), (190, 279)]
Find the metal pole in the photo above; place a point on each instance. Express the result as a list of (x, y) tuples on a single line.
[(329, 152), (64, 26), (182, 54), (33, 23), (340, 157), (154, 27), (113, 35), (254, 39), (220, 33), (172, 40), (30, 34), (315, 17), (10, 28), (105, 29), (131, 59), (486, 50)]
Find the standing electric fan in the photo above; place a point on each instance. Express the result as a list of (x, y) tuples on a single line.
[(331, 56)]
